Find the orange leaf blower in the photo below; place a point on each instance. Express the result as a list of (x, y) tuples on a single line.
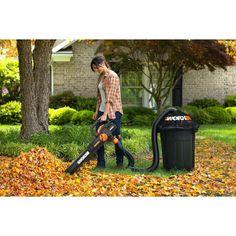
[(103, 135)]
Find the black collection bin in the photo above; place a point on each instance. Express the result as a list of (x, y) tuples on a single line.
[(177, 131)]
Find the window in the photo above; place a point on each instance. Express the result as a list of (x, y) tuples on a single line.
[(155, 75), (131, 88)]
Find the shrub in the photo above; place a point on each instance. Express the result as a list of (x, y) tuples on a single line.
[(232, 112), (82, 117), (10, 80), (64, 99), (68, 99), (51, 112), (143, 116), (230, 101), (85, 103), (126, 120), (141, 120), (199, 115), (205, 102), (10, 113), (62, 116), (219, 114)]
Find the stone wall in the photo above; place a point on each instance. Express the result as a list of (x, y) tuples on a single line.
[(206, 84), (76, 74)]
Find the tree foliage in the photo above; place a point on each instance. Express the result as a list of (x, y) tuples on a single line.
[(163, 62), (9, 80), (8, 48), (230, 47)]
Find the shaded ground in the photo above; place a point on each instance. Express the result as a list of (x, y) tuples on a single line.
[(39, 173)]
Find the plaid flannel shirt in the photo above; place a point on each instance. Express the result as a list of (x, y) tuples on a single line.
[(111, 85)]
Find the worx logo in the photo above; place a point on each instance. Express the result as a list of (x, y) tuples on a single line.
[(170, 118), (83, 157)]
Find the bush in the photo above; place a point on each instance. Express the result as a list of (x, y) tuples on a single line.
[(199, 115), (51, 112), (85, 103), (138, 116), (230, 101), (62, 116), (10, 113), (65, 99), (82, 117), (68, 99), (141, 120), (126, 120), (219, 114), (232, 112), (204, 103), (10, 80)]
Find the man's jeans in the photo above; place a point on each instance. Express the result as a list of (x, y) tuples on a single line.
[(119, 153)]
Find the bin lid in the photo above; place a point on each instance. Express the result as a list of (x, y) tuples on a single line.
[(178, 120)]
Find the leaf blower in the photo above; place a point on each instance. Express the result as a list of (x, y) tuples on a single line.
[(103, 135)]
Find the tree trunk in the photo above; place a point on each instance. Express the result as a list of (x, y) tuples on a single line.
[(35, 84), (42, 59), (29, 111)]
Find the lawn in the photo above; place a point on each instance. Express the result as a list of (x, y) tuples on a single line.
[(39, 173), (225, 133), (67, 142), (36, 172)]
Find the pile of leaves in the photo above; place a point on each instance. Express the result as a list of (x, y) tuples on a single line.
[(35, 173), (39, 173)]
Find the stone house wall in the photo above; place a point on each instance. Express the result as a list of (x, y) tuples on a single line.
[(206, 84), (76, 74)]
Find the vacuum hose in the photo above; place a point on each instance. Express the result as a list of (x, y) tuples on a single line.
[(156, 157), (127, 154)]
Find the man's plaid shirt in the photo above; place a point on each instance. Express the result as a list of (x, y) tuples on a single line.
[(111, 86)]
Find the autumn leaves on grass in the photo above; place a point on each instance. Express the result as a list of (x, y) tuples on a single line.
[(39, 173)]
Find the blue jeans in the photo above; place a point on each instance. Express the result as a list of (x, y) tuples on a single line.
[(119, 153)]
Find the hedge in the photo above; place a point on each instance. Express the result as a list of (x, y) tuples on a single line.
[(232, 112), (219, 114), (62, 116), (230, 101), (204, 103), (10, 113)]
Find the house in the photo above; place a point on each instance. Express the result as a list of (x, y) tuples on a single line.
[(71, 71)]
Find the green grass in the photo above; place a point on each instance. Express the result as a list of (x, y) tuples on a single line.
[(64, 141), (68, 141), (111, 168), (219, 132)]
